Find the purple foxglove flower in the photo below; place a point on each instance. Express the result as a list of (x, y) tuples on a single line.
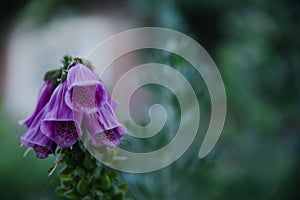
[(86, 93), (44, 96), (34, 138), (111, 101), (61, 124), (104, 127)]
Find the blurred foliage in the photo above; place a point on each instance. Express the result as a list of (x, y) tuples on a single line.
[(255, 44), (21, 178)]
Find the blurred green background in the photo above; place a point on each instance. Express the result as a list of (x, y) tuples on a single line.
[(256, 46)]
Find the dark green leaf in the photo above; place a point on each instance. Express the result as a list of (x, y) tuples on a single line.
[(118, 196)]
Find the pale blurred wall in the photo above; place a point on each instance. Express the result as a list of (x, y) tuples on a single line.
[(30, 53)]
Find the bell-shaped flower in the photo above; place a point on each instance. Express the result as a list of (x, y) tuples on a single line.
[(104, 127), (34, 138), (44, 96), (61, 124), (86, 93)]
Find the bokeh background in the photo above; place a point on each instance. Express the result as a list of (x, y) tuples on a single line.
[(256, 46)]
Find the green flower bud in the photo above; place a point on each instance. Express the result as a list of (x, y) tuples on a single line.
[(71, 194), (65, 180), (88, 163), (105, 183), (82, 187)]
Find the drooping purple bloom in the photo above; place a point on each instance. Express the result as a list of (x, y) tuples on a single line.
[(34, 138), (61, 124), (44, 96), (57, 117), (111, 101), (86, 93), (104, 127)]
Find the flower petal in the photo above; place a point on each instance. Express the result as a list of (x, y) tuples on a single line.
[(86, 93), (44, 96), (61, 124), (104, 127), (109, 137), (33, 137)]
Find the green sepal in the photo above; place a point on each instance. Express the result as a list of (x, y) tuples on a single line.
[(75, 60), (66, 61), (63, 75)]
